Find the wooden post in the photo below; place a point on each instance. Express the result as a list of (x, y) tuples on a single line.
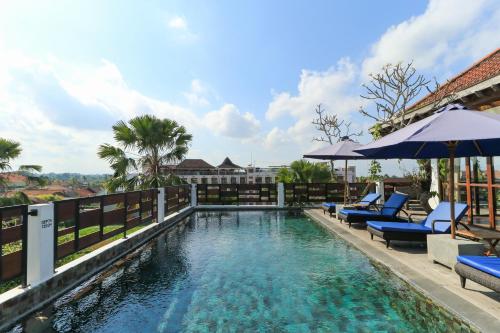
[(468, 190), (346, 184), (475, 174), (451, 185), (491, 196)]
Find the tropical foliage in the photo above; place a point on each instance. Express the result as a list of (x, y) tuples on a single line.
[(303, 171), (10, 150), (145, 144)]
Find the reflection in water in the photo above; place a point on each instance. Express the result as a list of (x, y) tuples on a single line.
[(242, 271)]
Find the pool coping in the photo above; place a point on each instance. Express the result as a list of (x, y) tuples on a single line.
[(468, 312)]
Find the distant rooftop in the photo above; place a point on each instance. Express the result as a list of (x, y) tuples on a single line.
[(194, 163), (228, 164)]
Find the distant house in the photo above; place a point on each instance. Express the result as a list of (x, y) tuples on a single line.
[(14, 180), (198, 171)]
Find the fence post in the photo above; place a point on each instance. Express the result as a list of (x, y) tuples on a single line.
[(40, 259), (194, 196), (281, 195), (160, 205), (380, 189)]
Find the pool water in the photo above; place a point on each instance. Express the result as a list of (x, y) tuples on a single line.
[(247, 271)]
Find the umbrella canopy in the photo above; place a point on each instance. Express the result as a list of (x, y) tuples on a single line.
[(343, 150), (475, 134), (453, 131)]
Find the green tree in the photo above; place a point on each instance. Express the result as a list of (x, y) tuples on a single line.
[(303, 171), (145, 143), (9, 150)]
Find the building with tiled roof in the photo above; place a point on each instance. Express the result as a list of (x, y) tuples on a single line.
[(477, 87), (228, 164)]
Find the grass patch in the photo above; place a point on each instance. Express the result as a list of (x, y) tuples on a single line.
[(12, 247), (11, 284), (89, 249)]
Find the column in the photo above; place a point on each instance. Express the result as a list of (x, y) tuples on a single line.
[(40, 256)]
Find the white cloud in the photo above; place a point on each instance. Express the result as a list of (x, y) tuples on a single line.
[(177, 22), (179, 29), (197, 95), (447, 31), (61, 112), (229, 121), (331, 88)]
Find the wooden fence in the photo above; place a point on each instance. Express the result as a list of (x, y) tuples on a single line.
[(83, 222), (236, 194), (13, 245), (321, 192)]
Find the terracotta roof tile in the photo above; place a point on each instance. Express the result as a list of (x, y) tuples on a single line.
[(484, 69)]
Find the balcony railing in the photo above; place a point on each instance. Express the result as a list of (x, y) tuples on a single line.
[(13, 243)]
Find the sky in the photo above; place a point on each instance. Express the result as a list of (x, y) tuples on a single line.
[(242, 76)]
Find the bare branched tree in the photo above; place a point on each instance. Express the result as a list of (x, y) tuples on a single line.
[(333, 130), (392, 91)]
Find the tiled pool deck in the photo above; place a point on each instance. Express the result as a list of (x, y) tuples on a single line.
[(479, 305)]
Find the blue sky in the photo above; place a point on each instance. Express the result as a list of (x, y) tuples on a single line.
[(242, 76)]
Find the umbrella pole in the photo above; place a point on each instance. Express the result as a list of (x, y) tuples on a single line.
[(346, 184), (451, 185)]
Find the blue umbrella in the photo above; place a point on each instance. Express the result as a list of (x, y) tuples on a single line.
[(343, 150), (453, 131)]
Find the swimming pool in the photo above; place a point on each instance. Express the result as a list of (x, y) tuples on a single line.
[(255, 271)]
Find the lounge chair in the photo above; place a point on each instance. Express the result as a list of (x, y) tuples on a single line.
[(481, 269), (437, 222), (388, 212), (365, 203)]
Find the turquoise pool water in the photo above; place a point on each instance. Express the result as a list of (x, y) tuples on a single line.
[(244, 272)]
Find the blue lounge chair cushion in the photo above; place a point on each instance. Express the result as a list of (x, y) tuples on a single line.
[(390, 208), (356, 212), (368, 199), (490, 265), (440, 213), (399, 226)]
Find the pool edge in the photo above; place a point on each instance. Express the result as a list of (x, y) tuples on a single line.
[(469, 313)]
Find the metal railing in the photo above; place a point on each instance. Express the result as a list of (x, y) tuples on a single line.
[(13, 242)]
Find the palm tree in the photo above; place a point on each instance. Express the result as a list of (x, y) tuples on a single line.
[(9, 150), (303, 171), (145, 143)]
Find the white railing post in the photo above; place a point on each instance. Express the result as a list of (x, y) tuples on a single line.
[(160, 205), (40, 258), (194, 197), (281, 195), (380, 189)]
